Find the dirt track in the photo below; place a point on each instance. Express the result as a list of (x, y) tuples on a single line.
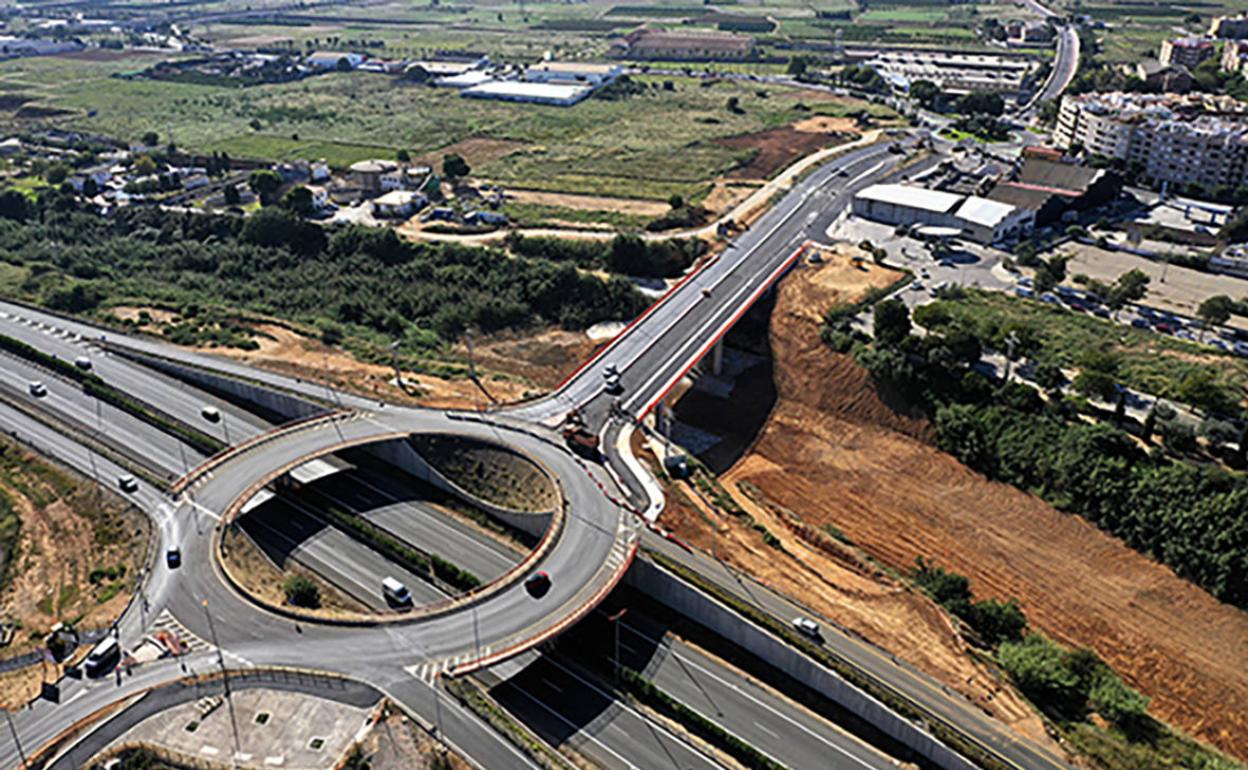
[(836, 455)]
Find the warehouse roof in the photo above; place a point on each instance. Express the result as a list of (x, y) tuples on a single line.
[(915, 197), (517, 89), (984, 212)]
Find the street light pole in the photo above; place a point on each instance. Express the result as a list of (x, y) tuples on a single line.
[(225, 682), (16, 741), (617, 620)]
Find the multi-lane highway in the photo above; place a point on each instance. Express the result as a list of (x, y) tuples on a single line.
[(587, 555)]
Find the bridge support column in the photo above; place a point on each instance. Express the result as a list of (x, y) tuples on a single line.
[(717, 358)]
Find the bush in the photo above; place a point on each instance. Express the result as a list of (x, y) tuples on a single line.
[(300, 591)]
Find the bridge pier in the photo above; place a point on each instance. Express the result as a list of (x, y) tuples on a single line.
[(717, 358)]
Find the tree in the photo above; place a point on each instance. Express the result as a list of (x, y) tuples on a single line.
[(299, 200), (151, 139), (998, 622), (1131, 286), (1215, 310), (232, 196), (300, 591), (891, 322), (1117, 702), (144, 165), (1098, 375), (454, 166), (264, 183), (403, 156), (1048, 375), (734, 105), (981, 103), (1050, 273), (56, 173), (1201, 389), (1217, 432), (14, 205), (343, 64), (925, 92), (1043, 670), (797, 66), (676, 202)]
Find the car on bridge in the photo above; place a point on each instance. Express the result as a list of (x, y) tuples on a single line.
[(537, 584)]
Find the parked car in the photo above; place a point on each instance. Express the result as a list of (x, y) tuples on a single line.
[(1164, 328), (1050, 298), (1140, 323), (1023, 291)]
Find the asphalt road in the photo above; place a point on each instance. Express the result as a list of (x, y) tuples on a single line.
[(566, 706), (781, 729)]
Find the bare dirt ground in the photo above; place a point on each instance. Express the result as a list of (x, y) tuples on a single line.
[(777, 148), (395, 743), (58, 548), (477, 151), (837, 456), (589, 202), (725, 196)]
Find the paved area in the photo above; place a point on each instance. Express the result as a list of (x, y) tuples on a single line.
[(275, 729), (1173, 288)]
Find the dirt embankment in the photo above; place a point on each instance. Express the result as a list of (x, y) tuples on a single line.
[(77, 555), (497, 475), (836, 455)]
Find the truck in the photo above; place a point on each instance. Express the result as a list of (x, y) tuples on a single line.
[(578, 437)]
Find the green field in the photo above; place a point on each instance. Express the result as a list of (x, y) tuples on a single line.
[(598, 147)]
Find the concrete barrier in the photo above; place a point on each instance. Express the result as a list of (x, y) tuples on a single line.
[(285, 406), (664, 587)]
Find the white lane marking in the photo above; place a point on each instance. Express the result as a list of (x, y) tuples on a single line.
[(656, 727), (553, 686), (759, 725)]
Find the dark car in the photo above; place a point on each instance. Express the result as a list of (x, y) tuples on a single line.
[(173, 558), (537, 584)]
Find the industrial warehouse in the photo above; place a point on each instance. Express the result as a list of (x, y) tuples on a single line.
[(979, 219)]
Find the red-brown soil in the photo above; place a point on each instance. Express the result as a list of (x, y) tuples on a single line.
[(778, 148)]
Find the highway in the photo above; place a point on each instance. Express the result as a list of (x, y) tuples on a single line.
[(589, 554)]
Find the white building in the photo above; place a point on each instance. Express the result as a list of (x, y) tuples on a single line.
[(978, 219), (557, 94), (398, 203), (1170, 139), (328, 60), (573, 72)]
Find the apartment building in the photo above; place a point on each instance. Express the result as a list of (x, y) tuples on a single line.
[(1229, 27), (1186, 51), (1235, 56), (1167, 138)]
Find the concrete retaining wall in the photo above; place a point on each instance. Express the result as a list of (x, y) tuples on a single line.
[(401, 454), (664, 587), (278, 404)]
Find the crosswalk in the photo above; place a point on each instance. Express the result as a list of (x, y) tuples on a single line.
[(166, 622), (429, 671)]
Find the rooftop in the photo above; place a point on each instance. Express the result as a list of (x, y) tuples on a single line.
[(983, 211), (522, 89), (1191, 42), (916, 197), (1062, 178), (575, 67)]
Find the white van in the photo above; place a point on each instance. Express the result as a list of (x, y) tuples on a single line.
[(103, 658), (395, 592), (210, 413)]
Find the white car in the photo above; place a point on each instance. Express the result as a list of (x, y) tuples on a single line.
[(38, 389), (807, 626)]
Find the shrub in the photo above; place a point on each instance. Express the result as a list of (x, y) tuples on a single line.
[(300, 591)]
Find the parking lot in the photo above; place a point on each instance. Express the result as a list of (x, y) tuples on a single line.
[(1174, 289)]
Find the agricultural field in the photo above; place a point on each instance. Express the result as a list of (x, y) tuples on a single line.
[(598, 147), (1133, 29)]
